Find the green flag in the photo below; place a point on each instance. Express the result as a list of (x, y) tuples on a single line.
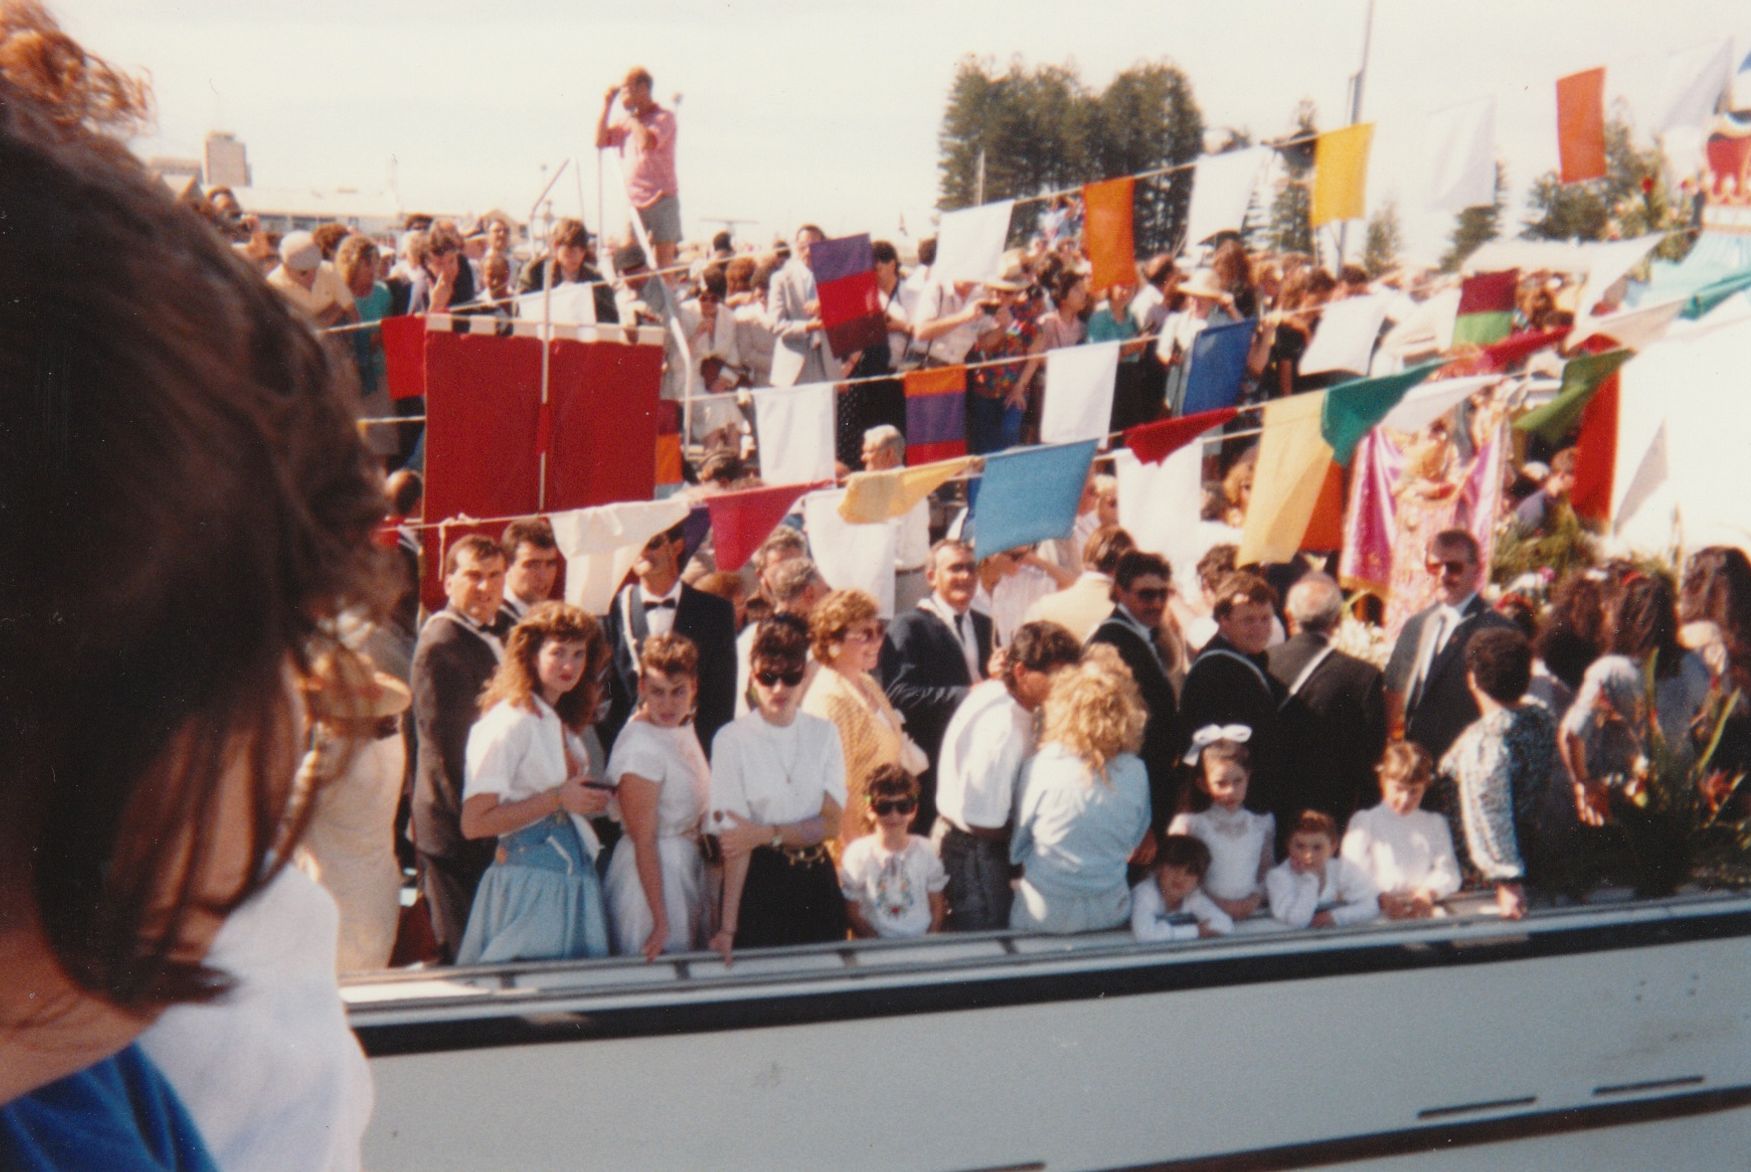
[(1581, 377), (1352, 408), (1712, 294)]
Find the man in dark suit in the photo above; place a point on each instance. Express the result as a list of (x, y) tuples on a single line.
[(1334, 720), (933, 655), (1426, 693), (1230, 683), (1140, 588), (659, 603), (459, 650)]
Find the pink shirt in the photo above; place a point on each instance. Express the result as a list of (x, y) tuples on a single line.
[(650, 174)]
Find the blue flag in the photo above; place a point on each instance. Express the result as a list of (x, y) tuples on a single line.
[(1029, 495), (1218, 364)]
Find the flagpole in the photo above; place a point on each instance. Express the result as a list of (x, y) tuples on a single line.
[(1356, 81)]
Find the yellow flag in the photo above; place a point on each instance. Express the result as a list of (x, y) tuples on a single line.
[(1340, 174), (877, 496), (1293, 458)]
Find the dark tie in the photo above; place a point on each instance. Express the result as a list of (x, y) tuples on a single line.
[(666, 602), (960, 631)]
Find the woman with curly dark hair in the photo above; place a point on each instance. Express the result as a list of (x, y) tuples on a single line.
[(528, 785)]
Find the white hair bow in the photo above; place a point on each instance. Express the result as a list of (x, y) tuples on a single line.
[(1211, 733)]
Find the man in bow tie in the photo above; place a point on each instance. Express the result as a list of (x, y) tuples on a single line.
[(659, 603)]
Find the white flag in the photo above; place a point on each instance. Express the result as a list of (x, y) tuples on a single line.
[(601, 543), (1459, 157), (1079, 393), (794, 427), (1222, 187), (1346, 335), (970, 242)]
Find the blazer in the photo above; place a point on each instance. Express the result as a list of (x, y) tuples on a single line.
[(1221, 688), (1158, 734), (924, 673), (706, 619), (801, 355), (451, 664), (1442, 706), (1334, 728)]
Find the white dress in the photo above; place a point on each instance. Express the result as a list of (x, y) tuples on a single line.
[(672, 758), (350, 846), (1241, 845)]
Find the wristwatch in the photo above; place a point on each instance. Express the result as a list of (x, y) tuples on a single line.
[(777, 836)]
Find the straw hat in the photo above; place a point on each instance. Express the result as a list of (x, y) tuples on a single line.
[(345, 685), (1012, 273), (1203, 283)]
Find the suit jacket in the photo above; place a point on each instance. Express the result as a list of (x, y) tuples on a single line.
[(925, 674), (801, 355), (1442, 706), (1334, 728), (706, 619), (1158, 734), (451, 664), (1079, 608), (1221, 689)]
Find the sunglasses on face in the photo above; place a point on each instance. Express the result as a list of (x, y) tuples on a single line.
[(893, 806), (1151, 594), (1451, 567), (771, 679)]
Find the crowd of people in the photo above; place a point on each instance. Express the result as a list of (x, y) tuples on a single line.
[(1065, 738)]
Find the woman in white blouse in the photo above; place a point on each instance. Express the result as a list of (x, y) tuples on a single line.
[(655, 887), (527, 783), (777, 789)]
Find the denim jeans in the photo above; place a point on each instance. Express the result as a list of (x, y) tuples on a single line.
[(978, 880)]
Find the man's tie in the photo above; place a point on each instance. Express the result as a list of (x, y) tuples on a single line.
[(659, 604)]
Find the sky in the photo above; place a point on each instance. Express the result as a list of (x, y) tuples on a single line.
[(827, 110)]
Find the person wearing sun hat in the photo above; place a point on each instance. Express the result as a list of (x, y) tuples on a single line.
[(1206, 304), (997, 395), (350, 849), (309, 282)]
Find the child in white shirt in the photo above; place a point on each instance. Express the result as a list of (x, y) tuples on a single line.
[(1407, 851), (1241, 842), (892, 880), (1168, 905), (1311, 888)]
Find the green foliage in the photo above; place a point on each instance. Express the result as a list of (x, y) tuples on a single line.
[(1476, 226), (1042, 129), (1568, 546), (1292, 207), (1384, 239), (1630, 200)]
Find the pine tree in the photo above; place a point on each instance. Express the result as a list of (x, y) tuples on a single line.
[(1476, 226), (1384, 239), (1292, 208)]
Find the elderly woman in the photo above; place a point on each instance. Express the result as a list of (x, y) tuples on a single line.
[(846, 635), (1499, 770), (160, 450), (1084, 804), (777, 789)]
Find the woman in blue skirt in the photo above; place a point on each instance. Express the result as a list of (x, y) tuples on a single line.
[(527, 783)]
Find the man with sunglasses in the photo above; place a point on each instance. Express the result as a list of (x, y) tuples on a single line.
[(934, 654), (1140, 592), (659, 603), (1426, 692)]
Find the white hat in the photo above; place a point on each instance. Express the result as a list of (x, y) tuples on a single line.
[(298, 252)]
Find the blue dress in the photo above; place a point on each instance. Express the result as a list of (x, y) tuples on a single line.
[(118, 1113), (540, 900)]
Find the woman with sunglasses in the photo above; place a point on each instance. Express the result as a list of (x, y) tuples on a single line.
[(847, 638), (777, 789)]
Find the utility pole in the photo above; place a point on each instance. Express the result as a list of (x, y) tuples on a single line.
[(1356, 81)]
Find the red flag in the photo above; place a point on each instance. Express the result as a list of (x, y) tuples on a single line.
[(1517, 348), (1107, 234), (1580, 125), (404, 355), (1596, 454), (1155, 442), (741, 520)]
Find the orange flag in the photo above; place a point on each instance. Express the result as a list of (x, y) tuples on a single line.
[(1107, 231), (1580, 125)]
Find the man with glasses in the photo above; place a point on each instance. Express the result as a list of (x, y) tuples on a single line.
[(1426, 693), (1140, 591), (659, 603), (934, 654)]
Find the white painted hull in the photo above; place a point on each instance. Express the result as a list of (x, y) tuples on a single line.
[(1274, 1050)]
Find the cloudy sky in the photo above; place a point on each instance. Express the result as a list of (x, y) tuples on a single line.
[(825, 109)]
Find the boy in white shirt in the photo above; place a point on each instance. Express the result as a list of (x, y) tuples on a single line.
[(892, 881), (1407, 851), (1311, 888), (1168, 905)]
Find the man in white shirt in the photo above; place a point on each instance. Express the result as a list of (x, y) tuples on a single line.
[(989, 737), (949, 320), (884, 449)]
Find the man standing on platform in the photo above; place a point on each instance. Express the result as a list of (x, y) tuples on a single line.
[(646, 139), (459, 650)]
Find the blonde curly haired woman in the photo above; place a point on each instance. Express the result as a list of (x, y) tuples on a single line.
[(1084, 805)]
